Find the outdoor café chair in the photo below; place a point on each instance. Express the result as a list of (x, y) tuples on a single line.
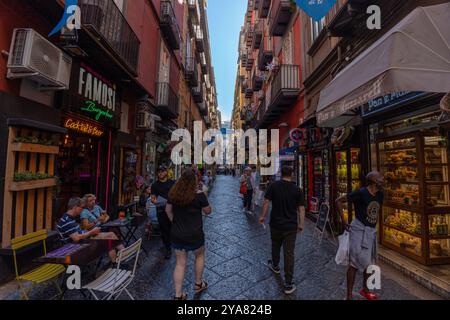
[(116, 280), (45, 273)]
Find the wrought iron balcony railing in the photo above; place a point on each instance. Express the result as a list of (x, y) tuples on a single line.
[(264, 6), (191, 72), (167, 101), (285, 86), (265, 55), (169, 25), (280, 16), (104, 20)]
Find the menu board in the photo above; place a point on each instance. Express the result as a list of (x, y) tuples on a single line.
[(323, 216)]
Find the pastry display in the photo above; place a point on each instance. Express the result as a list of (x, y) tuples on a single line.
[(404, 220), (416, 188), (403, 193), (403, 240)]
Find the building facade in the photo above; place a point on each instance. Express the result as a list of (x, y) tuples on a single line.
[(92, 110)]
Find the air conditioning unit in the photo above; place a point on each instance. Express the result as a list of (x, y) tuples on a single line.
[(34, 57), (144, 120)]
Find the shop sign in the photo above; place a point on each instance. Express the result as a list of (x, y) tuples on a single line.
[(319, 136), (389, 100), (91, 107), (98, 95), (83, 127), (299, 135)]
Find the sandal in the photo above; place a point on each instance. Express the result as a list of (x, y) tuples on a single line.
[(183, 297), (201, 287)]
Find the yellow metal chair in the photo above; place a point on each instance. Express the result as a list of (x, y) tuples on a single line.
[(42, 274)]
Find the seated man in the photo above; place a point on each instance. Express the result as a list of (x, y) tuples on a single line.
[(69, 230), (92, 215)]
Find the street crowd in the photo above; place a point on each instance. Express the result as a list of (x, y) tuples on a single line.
[(177, 209)]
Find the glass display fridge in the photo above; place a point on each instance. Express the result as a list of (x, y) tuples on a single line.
[(348, 175), (416, 211)]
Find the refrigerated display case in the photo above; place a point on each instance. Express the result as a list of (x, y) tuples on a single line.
[(348, 175), (416, 210)]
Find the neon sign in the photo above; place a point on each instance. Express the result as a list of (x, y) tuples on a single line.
[(91, 107), (83, 127)]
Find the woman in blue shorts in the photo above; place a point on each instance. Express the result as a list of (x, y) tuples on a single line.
[(185, 208)]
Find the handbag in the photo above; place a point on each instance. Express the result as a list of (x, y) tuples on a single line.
[(243, 189)]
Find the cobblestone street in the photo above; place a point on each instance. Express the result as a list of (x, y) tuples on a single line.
[(237, 250)]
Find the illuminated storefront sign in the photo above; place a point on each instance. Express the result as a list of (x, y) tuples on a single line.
[(92, 108), (93, 94), (83, 127)]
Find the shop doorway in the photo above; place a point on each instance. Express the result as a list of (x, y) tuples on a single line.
[(78, 167)]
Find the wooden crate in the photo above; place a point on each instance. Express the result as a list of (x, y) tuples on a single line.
[(27, 205)]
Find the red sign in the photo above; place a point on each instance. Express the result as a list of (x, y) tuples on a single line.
[(299, 135)]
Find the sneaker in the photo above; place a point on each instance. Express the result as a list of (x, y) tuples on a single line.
[(368, 295), (275, 269), (289, 288)]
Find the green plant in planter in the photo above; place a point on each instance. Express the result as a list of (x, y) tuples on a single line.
[(30, 176), (34, 140)]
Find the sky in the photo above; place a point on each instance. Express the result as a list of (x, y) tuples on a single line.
[(225, 18)]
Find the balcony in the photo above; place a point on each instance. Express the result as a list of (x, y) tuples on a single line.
[(194, 11), (202, 107), (104, 22), (285, 86), (249, 36), (169, 25), (207, 121), (244, 84), (199, 39), (265, 55), (257, 81), (281, 13), (167, 101), (203, 63), (243, 60), (258, 34), (248, 93), (264, 6), (197, 93), (284, 92), (250, 62), (190, 72)]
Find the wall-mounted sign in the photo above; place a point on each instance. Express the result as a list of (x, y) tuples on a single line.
[(319, 136), (91, 107), (389, 100), (92, 94), (83, 127), (299, 135)]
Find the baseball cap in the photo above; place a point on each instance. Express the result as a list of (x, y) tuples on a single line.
[(162, 168)]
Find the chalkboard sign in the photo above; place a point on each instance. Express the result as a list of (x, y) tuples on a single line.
[(323, 216)]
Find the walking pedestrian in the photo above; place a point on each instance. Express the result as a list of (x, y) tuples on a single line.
[(287, 219), (363, 233), (256, 178), (160, 192), (247, 187), (184, 208)]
